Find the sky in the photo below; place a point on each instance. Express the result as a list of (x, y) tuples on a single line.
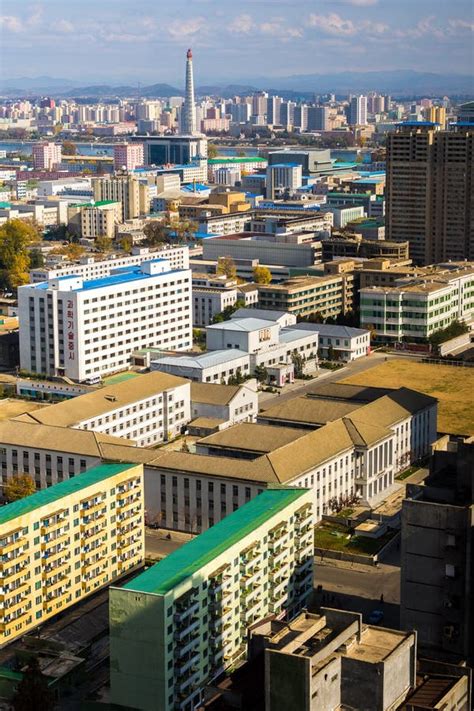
[(145, 40)]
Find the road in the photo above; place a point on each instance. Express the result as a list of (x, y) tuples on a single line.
[(160, 543), (359, 587)]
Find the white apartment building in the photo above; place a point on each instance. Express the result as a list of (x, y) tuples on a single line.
[(88, 268), (415, 307), (87, 329), (344, 342), (148, 409), (181, 623), (71, 186)]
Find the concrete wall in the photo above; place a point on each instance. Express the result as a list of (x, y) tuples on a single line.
[(454, 343), (136, 650), (287, 682)]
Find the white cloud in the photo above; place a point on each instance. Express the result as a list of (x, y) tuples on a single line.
[(461, 25), (186, 28), (11, 23), (63, 26), (334, 24), (362, 3), (242, 24)]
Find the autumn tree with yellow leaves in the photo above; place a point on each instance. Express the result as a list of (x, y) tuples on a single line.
[(15, 238)]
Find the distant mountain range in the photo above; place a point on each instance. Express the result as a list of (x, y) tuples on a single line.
[(397, 82)]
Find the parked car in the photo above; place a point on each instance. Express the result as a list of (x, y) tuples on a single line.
[(375, 617)]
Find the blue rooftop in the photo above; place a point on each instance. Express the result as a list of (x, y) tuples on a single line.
[(285, 165), (121, 276), (418, 123)]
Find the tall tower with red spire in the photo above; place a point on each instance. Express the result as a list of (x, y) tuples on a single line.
[(188, 123)]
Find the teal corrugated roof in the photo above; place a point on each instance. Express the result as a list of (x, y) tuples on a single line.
[(182, 563), (59, 491)]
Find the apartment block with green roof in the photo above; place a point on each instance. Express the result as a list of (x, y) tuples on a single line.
[(65, 542), (182, 622)]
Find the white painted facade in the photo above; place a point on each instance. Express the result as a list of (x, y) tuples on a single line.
[(88, 268), (86, 329)]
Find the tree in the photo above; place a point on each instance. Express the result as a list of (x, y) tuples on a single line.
[(126, 243), (226, 314), (211, 150), (69, 148), (33, 691), (298, 362), (261, 373), (15, 237), (103, 244), (36, 259), (331, 353), (226, 266), (262, 275), (157, 232), (72, 251), (18, 486)]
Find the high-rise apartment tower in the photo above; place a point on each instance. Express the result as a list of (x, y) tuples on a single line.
[(430, 176)]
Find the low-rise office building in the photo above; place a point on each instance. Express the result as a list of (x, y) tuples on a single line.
[(415, 307), (60, 545), (50, 454), (277, 249), (356, 452), (211, 367), (223, 405), (94, 219), (92, 327), (214, 293), (184, 621), (149, 409), (280, 351), (303, 296), (339, 342)]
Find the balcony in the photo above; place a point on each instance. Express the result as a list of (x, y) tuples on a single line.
[(18, 563), (91, 506), (182, 648), (92, 534), (10, 609), (91, 519), (16, 542), (57, 541), (184, 608), (127, 499), (15, 572), (54, 522), (63, 580), (192, 677), (277, 556), (185, 664), (130, 506), (187, 629)]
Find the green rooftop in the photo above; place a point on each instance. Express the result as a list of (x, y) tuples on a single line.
[(98, 203), (182, 563), (236, 160), (5, 205), (60, 491)]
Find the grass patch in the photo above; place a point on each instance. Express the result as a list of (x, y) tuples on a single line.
[(345, 513), (408, 472), (452, 386), (335, 538), (120, 377)]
